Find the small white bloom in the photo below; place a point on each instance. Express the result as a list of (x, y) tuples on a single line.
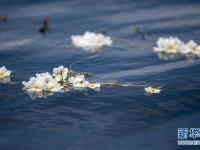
[(152, 90), (37, 86), (45, 76), (91, 40), (171, 45), (4, 72), (60, 73), (54, 86), (78, 81), (78, 78), (191, 48)]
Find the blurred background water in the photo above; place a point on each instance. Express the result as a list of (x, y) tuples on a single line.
[(116, 118)]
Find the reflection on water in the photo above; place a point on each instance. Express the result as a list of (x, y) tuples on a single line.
[(116, 117), (5, 80)]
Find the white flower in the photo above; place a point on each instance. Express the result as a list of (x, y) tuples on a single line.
[(4, 72), (34, 85), (45, 76), (78, 81), (54, 86), (171, 45), (60, 73), (91, 40), (152, 90), (42, 82), (191, 48)]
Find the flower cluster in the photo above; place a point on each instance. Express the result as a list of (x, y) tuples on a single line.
[(191, 48), (171, 45), (4, 75), (45, 84), (168, 48), (42, 82), (79, 81), (91, 41)]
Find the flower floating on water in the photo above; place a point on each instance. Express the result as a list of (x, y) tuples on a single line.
[(171, 45), (91, 40), (191, 48), (45, 84), (60, 73), (78, 81), (151, 90), (4, 72), (4, 75)]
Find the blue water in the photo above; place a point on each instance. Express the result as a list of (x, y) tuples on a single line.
[(116, 118)]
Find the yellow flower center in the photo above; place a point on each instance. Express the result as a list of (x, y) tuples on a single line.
[(171, 47), (2, 75), (52, 88), (98, 40), (152, 90), (92, 86), (61, 72), (47, 80), (36, 86), (194, 49)]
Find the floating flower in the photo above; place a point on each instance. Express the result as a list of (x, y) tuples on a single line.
[(91, 40), (191, 48), (78, 81), (152, 90), (171, 45), (34, 85), (60, 73), (4, 75), (54, 86), (4, 72), (43, 82)]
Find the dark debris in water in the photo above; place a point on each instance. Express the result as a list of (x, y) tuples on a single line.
[(104, 32), (3, 18), (45, 26), (143, 35)]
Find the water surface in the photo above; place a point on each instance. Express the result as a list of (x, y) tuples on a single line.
[(116, 118)]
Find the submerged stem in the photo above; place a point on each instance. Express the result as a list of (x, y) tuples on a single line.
[(115, 84)]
